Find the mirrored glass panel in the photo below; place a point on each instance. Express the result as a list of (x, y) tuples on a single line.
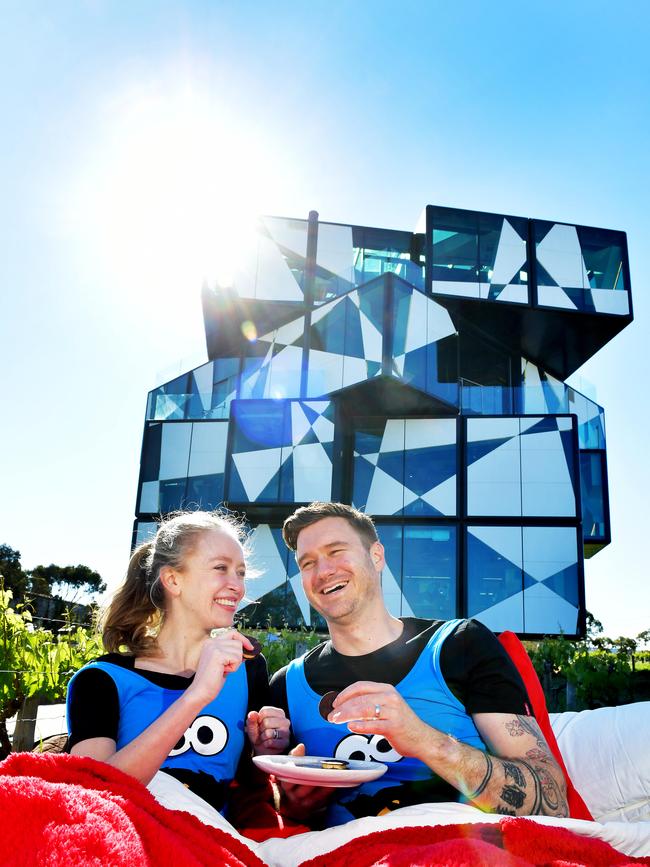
[(593, 495), (405, 466), (494, 577), (429, 571)]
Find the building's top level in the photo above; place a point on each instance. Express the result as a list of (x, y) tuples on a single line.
[(554, 292)]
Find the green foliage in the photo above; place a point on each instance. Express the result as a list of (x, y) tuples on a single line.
[(34, 661), (596, 672), (280, 646), (15, 578)]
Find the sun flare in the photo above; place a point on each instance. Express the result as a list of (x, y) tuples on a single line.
[(170, 193)]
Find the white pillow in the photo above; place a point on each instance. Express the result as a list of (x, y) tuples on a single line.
[(607, 754)]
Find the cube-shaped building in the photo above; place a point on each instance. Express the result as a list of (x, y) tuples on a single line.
[(420, 377)]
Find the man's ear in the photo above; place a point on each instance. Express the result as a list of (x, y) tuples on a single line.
[(377, 556), (170, 580)]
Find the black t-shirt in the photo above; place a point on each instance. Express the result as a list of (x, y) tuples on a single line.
[(94, 711), (474, 665)]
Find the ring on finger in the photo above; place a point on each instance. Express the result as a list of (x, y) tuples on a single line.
[(377, 711), (276, 734)]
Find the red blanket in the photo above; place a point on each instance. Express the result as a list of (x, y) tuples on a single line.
[(68, 810), (510, 843), (61, 810)]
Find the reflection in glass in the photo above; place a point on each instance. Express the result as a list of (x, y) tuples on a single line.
[(429, 571), (494, 576), (593, 495)]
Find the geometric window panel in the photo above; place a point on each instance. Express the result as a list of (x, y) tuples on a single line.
[(521, 467), (185, 466), (144, 531), (580, 268), (281, 451), (493, 467), (551, 579), (478, 255), (429, 570), (523, 578), (547, 467), (424, 346), (175, 449), (419, 578), (273, 365), (405, 466), (592, 473), (274, 593), (495, 578), (345, 341)]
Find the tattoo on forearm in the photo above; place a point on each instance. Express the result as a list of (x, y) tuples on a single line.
[(514, 728), (514, 796), (504, 811), (512, 771), (551, 794), (486, 779), (537, 754)]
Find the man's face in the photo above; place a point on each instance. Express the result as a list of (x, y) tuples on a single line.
[(339, 574)]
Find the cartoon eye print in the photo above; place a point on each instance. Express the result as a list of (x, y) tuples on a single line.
[(207, 736), (367, 749)]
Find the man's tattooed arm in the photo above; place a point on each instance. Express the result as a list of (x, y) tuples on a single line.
[(528, 784), (516, 776)]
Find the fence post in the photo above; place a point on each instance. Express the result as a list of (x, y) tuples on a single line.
[(570, 695), (23, 740)]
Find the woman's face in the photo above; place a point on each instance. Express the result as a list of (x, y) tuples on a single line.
[(212, 579)]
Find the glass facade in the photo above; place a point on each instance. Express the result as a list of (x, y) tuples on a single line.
[(415, 376)]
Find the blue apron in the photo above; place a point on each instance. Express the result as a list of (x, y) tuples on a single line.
[(407, 780)]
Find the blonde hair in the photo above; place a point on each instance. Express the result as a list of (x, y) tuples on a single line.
[(137, 610)]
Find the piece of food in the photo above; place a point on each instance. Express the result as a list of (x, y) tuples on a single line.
[(326, 704), (257, 648), (325, 764)]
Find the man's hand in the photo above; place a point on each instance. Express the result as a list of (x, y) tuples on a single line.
[(377, 708), (302, 803), (268, 730)]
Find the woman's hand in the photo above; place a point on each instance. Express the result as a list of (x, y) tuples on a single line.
[(219, 657), (268, 731)]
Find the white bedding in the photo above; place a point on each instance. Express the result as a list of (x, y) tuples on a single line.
[(607, 755)]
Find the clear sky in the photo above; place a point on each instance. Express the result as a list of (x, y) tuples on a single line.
[(133, 133)]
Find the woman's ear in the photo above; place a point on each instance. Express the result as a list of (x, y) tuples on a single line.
[(169, 579)]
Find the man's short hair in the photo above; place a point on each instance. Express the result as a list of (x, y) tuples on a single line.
[(307, 515)]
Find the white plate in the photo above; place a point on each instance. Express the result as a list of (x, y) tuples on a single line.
[(295, 769)]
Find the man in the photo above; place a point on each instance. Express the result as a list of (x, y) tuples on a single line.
[(439, 702)]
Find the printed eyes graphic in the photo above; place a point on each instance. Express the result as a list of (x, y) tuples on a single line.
[(207, 736), (366, 748)]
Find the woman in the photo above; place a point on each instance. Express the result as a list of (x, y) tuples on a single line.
[(167, 695)]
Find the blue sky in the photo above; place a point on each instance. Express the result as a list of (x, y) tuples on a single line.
[(133, 133)]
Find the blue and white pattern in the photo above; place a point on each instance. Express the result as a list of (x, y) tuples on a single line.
[(282, 451), (409, 469), (184, 466), (523, 578), (521, 467)]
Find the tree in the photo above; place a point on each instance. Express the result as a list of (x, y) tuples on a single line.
[(70, 583), (15, 579), (57, 593)]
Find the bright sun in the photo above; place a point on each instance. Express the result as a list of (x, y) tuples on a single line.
[(170, 192)]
